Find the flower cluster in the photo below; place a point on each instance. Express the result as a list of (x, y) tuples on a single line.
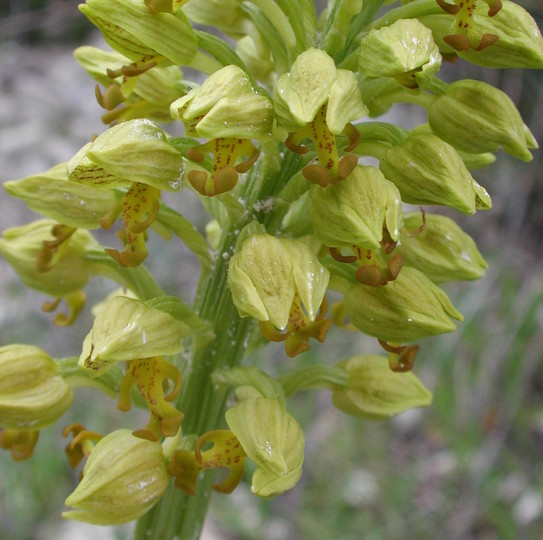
[(274, 146)]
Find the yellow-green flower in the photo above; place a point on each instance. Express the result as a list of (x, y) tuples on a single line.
[(282, 284), (227, 110), (317, 101), (404, 50)]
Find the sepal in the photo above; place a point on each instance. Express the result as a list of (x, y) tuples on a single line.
[(54, 196), (134, 151), (357, 210), (127, 329), (132, 30), (271, 438)]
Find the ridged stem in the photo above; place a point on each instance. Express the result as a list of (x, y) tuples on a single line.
[(179, 515)]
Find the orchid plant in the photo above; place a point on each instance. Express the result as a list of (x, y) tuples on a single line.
[(302, 240)]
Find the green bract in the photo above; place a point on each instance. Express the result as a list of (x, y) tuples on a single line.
[(442, 250), (271, 438), (476, 117), (267, 272), (375, 391), (67, 272), (134, 151), (313, 82), (226, 105), (404, 50), (409, 308), (32, 393), (356, 210), (427, 170), (123, 477), (127, 329), (131, 29), (70, 203)]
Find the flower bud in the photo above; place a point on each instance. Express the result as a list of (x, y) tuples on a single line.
[(519, 45), (51, 194), (476, 117), (271, 438), (375, 391), (441, 250), (127, 329), (471, 161), (356, 210), (32, 393), (409, 308), (134, 151), (122, 479), (404, 50), (427, 170), (67, 272), (226, 105), (131, 29)]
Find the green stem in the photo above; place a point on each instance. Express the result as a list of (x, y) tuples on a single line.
[(178, 515)]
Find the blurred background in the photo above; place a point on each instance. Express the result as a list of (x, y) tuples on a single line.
[(468, 467)]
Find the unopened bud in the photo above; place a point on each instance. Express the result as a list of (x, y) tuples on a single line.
[(475, 117), (65, 272), (375, 391), (409, 308), (122, 479), (441, 250), (32, 393), (427, 170)]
